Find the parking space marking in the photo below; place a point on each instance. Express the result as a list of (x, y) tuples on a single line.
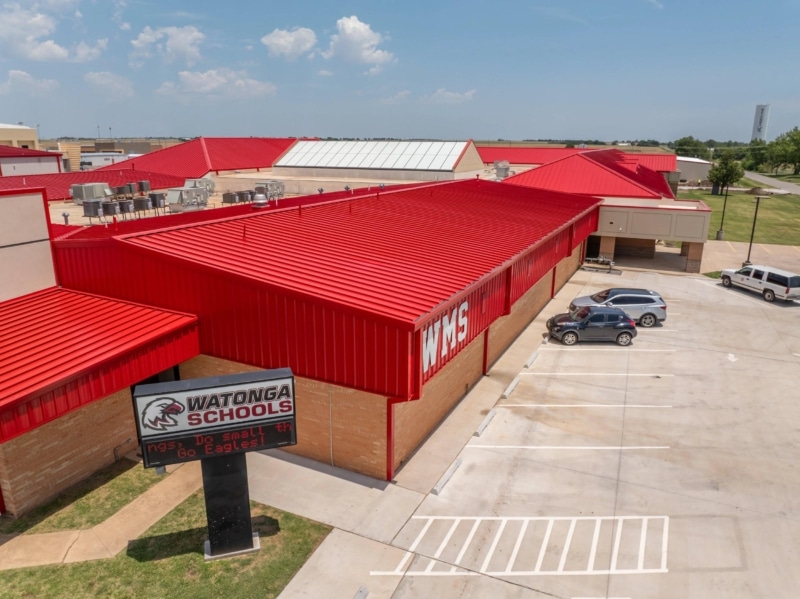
[(549, 348), (567, 447), (570, 539), (652, 374), (577, 405)]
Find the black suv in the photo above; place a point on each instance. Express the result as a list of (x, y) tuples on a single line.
[(592, 323)]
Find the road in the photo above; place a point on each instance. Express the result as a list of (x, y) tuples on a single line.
[(770, 182)]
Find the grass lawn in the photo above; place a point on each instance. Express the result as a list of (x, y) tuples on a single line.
[(778, 216), (87, 503), (167, 561)]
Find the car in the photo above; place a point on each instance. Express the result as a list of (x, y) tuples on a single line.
[(592, 323), (645, 306), (769, 282)]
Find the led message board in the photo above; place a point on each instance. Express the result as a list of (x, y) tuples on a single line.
[(181, 421)]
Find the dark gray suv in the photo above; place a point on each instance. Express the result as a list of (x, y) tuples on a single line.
[(592, 323), (646, 307)]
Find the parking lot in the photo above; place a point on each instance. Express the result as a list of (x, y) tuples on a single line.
[(662, 469)]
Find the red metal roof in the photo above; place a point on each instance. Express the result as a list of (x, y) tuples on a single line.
[(396, 254), (521, 155), (12, 152), (58, 185), (605, 173), (198, 157), (540, 155), (61, 349)]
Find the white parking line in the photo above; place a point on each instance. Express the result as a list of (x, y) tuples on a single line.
[(576, 405), (653, 374), (567, 447), (571, 546), (550, 348)]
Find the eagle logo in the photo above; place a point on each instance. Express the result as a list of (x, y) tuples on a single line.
[(160, 413)]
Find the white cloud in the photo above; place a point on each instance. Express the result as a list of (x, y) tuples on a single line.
[(442, 96), (357, 42), (218, 83), (24, 83), (119, 7), (110, 85), (398, 98), (84, 52), (179, 43), (324, 73), (27, 33), (656, 3), (291, 44)]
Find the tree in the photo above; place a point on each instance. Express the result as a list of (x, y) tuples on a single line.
[(724, 173), (785, 150), (756, 156), (690, 147)]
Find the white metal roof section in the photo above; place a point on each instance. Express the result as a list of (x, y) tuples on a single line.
[(388, 155)]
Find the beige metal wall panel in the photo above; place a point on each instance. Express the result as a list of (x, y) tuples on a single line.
[(471, 161), (692, 227), (651, 223), (26, 261)]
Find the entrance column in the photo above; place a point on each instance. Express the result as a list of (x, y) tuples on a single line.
[(607, 244)]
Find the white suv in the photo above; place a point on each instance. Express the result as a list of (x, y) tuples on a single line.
[(769, 282)]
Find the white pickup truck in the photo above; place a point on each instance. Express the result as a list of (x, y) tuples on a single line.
[(769, 282)]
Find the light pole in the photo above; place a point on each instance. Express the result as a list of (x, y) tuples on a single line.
[(721, 231), (752, 233), (98, 131)]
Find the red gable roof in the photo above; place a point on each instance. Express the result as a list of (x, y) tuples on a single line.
[(12, 152), (198, 157), (398, 254), (605, 173), (62, 349), (518, 155), (58, 185), (541, 155)]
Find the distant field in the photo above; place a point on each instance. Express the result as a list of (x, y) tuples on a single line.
[(778, 216), (541, 144)]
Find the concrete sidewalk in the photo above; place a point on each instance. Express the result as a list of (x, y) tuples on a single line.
[(108, 538)]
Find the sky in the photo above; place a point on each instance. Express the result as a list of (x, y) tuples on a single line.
[(609, 70)]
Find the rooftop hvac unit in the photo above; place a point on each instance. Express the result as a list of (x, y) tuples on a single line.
[(206, 182), (229, 197), (187, 198), (158, 199), (142, 203), (501, 169), (88, 191), (143, 185), (92, 208), (111, 208)]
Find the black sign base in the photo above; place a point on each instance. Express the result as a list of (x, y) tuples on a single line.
[(230, 530)]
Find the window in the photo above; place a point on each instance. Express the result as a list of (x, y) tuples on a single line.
[(758, 274), (597, 319), (615, 318), (744, 271), (776, 279)]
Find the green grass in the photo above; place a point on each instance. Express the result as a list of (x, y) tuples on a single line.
[(778, 220), (167, 561), (87, 503)]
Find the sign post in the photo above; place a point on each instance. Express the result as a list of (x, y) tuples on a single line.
[(217, 420)]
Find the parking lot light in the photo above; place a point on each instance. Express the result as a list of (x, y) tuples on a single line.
[(752, 232)]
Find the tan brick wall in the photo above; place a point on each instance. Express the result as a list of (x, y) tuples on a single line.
[(607, 244), (335, 425), (642, 248), (37, 466), (567, 267), (504, 330), (415, 420)]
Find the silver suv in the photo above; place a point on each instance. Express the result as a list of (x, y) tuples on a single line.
[(644, 306)]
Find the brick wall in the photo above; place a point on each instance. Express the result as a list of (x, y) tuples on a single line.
[(640, 248), (567, 267), (415, 420), (37, 466), (335, 425), (504, 330)]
